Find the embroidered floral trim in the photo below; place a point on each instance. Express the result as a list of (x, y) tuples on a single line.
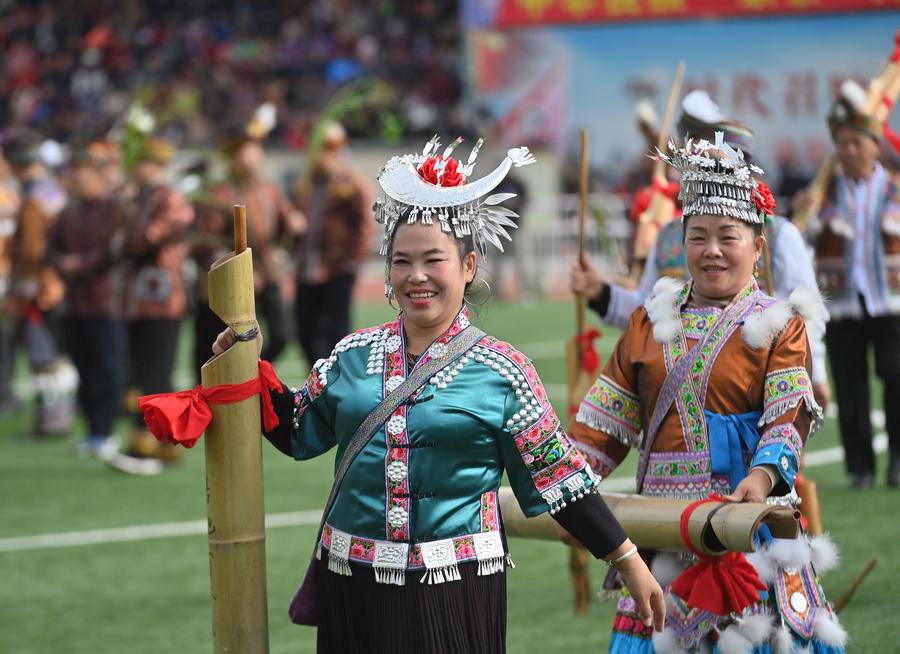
[(390, 353), (786, 435), (490, 519), (397, 497), (783, 390), (558, 470), (696, 322), (612, 409), (691, 395), (601, 464), (362, 551), (682, 475)]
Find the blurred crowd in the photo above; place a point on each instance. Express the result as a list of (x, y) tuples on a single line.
[(95, 261), (73, 67)]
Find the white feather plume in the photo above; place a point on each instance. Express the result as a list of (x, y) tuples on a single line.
[(666, 642), (666, 566), (824, 553), (763, 564), (829, 630), (756, 628), (783, 641), (732, 641), (789, 553)]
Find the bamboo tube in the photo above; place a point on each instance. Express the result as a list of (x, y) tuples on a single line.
[(234, 488), (654, 523)]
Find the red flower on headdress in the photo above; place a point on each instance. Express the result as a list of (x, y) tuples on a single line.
[(451, 176), (763, 198)]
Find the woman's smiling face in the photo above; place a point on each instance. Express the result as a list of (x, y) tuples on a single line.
[(429, 275), (721, 252)]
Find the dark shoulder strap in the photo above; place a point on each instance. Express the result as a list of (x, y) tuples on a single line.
[(459, 345)]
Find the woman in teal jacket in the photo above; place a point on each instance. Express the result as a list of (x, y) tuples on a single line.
[(412, 553)]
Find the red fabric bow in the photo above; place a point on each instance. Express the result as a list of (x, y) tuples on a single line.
[(721, 585), (181, 418), (590, 360)]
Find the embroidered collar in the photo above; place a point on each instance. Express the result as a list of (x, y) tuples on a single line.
[(438, 346), (666, 302)]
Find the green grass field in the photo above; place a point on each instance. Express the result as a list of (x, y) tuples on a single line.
[(152, 595)]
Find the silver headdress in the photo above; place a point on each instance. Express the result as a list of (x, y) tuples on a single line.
[(430, 186), (716, 180)]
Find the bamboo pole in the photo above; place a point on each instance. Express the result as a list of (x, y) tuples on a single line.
[(654, 523), (234, 488)]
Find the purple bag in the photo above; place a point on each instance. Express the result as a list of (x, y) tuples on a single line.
[(304, 608)]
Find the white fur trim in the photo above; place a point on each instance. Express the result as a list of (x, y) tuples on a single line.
[(764, 565), (807, 302), (666, 642), (732, 641), (666, 567), (840, 227), (661, 310), (824, 553), (761, 328), (755, 627), (783, 641), (789, 553), (829, 630), (891, 226)]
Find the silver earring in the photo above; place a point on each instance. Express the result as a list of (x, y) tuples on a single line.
[(391, 298), (478, 292)]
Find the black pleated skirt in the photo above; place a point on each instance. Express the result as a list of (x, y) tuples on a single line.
[(358, 615)]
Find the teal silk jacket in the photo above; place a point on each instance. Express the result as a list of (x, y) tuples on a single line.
[(423, 492)]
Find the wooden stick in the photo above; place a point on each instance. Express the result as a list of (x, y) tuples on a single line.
[(660, 209), (844, 599), (767, 263), (659, 167), (582, 219), (234, 482), (240, 228)]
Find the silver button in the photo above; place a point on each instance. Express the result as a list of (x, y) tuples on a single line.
[(397, 516), (397, 471)]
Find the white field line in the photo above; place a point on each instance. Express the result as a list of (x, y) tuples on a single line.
[(291, 519)]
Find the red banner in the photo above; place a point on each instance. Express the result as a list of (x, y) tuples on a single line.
[(520, 13)]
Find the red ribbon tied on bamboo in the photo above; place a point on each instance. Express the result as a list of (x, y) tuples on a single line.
[(590, 360), (181, 418), (718, 584)]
